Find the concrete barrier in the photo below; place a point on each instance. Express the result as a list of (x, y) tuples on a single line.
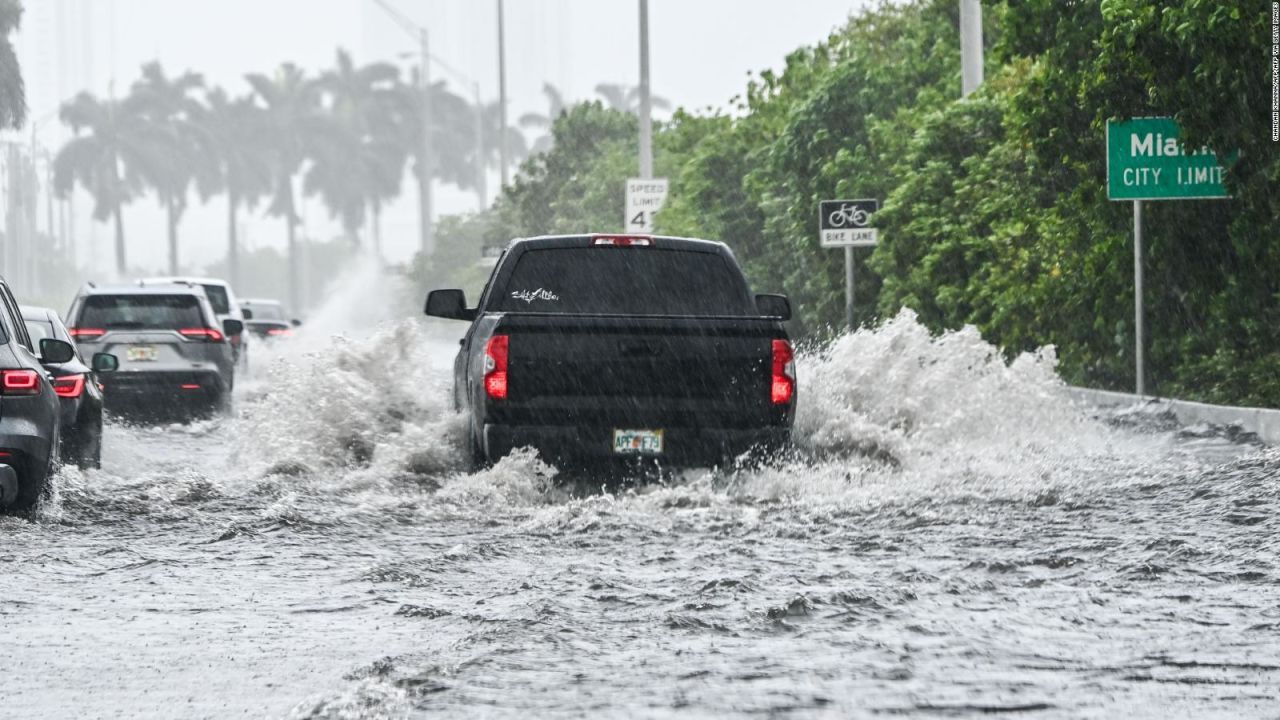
[(1264, 422)]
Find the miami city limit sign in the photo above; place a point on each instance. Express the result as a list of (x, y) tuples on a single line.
[(1146, 161)]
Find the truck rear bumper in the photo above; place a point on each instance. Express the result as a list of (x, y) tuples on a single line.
[(683, 446)]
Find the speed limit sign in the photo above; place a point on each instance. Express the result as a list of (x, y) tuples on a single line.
[(644, 200)]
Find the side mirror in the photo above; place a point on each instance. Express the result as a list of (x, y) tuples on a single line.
[(774, 306), (246, 313), (105, 362), (449, 304), (54, 351), (295, 322), (231, 326)]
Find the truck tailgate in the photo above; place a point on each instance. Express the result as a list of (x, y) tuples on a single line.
[(685, 370)]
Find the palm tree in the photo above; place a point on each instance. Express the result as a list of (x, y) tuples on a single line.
[(627, 99), (360, 163), (171, 116), (243, 170), (453, 134), (291, 121), (555, 107), (517, 145), (108, 157), (13, 103)]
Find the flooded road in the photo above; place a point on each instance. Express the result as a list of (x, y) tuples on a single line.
[(954, 536)]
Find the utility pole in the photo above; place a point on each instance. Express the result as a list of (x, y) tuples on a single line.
[(424, 163), (646, 121), (970, 46), (482, 195), (427, 239), (502, 96)]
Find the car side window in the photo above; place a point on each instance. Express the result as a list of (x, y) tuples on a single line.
[(17, 326)]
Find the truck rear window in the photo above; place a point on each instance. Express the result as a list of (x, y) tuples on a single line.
[(141, 312), (624, 281)]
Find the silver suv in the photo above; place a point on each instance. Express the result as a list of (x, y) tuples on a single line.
[(173, 351)]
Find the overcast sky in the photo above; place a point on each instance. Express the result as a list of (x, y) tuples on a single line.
[(701, 52)]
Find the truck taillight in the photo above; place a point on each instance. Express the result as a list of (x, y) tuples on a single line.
[(782, 388), (622, 241), (19, 382), (495, 367)]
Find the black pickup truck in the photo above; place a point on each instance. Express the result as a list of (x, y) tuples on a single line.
[(608, 348)]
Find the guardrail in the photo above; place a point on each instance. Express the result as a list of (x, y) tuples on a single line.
[(1264, 422)]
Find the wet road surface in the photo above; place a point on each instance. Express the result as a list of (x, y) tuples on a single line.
[(954, 537)]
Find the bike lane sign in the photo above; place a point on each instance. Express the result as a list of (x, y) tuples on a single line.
[(847, 223)]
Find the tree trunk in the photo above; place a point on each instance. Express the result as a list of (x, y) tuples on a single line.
[(375, 218), (233, 243), (173, 236), (291, 221), (121, 268)]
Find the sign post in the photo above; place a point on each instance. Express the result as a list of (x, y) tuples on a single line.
[(847, 224), (1146, 161), (644, 199)]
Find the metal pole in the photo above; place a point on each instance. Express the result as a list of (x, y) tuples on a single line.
[(424, 187), (970, 46), (1139, 361), (646, 122), (848, 288), (502, 98), (481, 191)]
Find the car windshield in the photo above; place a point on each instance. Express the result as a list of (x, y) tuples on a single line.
[(39, 330), (142, 312), (266, 312), (218, 299), (633, 281)]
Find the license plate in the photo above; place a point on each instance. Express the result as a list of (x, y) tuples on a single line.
[(637, 442), (141, 353)]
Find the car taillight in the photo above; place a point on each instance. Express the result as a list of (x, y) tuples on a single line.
[(622, 241), (495, 367), (783, 386), (86, 332), (20, 382), (279, 332), (206, 334), (69, 386)]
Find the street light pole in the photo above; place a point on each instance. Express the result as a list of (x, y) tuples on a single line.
[(970, 46), (424, 163), (646, 121), (502, 96)]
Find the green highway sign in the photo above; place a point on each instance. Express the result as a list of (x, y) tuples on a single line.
[(1145, 161)]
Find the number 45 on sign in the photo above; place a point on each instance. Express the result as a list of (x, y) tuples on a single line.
[(644, 199)]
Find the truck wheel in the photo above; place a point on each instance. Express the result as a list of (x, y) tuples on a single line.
[(476, 456)]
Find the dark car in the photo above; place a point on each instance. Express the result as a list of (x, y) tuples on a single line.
[(30, 413), (78, 387), (173, 353), (267, 319), (611, 349)]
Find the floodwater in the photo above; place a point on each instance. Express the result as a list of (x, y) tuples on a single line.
[(953, 537)]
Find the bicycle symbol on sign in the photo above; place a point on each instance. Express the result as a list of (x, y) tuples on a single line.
[(849, 214)]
